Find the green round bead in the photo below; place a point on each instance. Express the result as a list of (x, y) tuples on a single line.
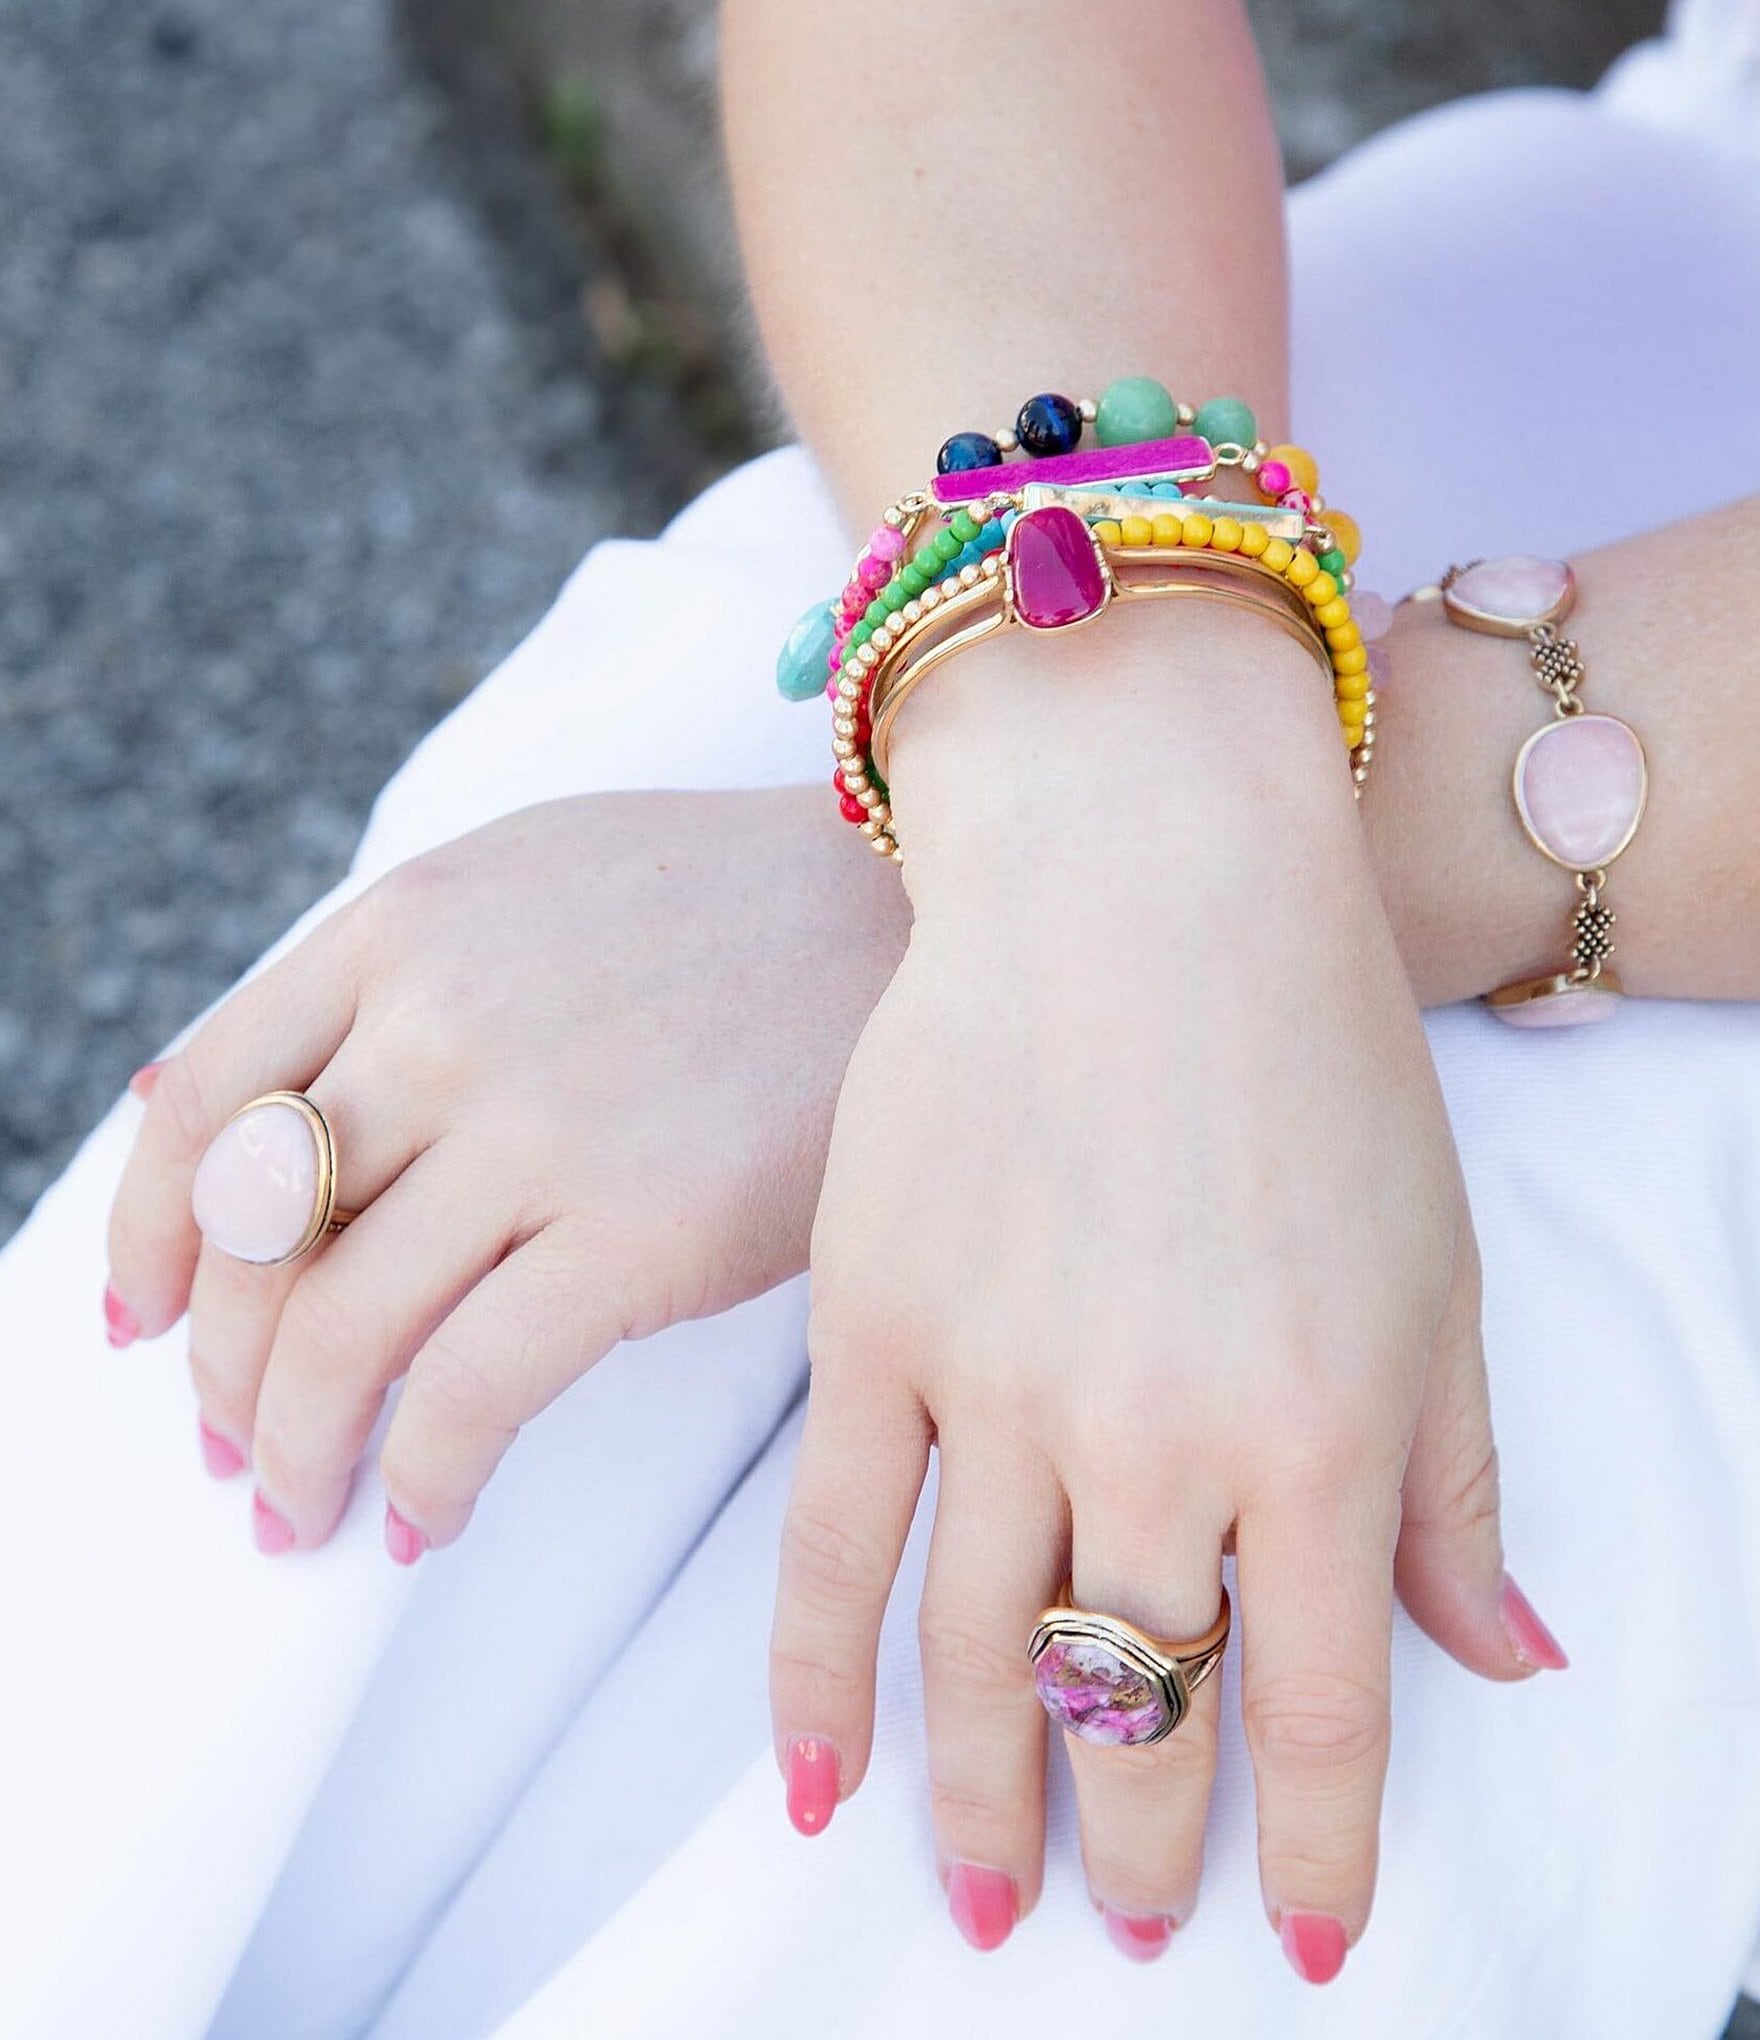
[(861, 634), (947, 545), (801, 668), (876, 613), (1226, 421), (1135, 408), (963, 526), (927, 560), (913, 581), (1334, 562), (892, 596)]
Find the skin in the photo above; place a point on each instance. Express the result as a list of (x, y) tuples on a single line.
[(527, 1210)]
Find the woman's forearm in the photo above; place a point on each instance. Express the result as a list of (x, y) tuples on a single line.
[(946, 209)]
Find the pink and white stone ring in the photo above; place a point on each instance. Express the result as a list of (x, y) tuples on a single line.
[(265, 1191), (1109, 1682)]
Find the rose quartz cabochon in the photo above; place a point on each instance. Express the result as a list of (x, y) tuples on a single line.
[(1579, 785), (255, 1187), (1577, 1007), (1517, 592)]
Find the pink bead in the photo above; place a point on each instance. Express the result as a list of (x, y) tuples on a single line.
[(1274, 478), (1296, 499), (835, 660), (831, 690), (885, 543), (1371, 613)]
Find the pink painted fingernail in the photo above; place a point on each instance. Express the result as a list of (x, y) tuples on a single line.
[(1529, 1637), (143, 1079), (120, 1323), (220, 1456), (271, 1529), (402, 1539), (1140, 1936), (983, 1904), (812, 1783), (1314, 1943)]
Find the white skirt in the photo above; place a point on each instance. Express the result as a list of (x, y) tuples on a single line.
[(528, 1788)]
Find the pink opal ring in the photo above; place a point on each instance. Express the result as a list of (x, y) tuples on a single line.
[(1109, 1682), (265, 1190)]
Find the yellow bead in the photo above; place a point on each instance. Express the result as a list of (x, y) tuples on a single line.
[(1301, 569), (1353, 735), (1166, 529), (1346, 534), (1195, 528), (1321, 589), (1226, 536), (1350, 686), (1343, 637), (1333, 615), (1109, 532), (1304, 472), (1254, 539), (1354, 660), (1352, 719), (1138, 531), (1278, 553)]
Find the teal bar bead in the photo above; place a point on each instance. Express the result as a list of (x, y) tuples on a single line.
[(1133, 409), (801, 668), (1226, 421)]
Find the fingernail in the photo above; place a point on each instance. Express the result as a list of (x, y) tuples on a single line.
[(983, 1904), (1529, 1637), (220, 1456), (271, 1529), (1140, 1936), (142, 1080), (402, 1539), (1314, 1943), (120, 1323), (812, 1783)]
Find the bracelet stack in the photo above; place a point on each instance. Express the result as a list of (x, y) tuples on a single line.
[(1049, 541), (1580, 782)]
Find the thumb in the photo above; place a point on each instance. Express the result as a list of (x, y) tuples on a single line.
[(1449, 1564)]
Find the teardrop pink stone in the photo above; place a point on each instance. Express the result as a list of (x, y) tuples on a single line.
[(1579, 785), (1516, 593), (1579, 1006), (1057, 575), (255, 1187)]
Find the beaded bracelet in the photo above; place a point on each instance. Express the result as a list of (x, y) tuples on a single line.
[(1119, 502), (1580, 782)]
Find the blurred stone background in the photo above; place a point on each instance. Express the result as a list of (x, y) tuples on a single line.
[(332, 332)]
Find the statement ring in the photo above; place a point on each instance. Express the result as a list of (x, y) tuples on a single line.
[(265, 1191), (1109, 1682)]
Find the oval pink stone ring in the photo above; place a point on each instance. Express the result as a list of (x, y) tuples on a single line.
[(1109, 1682), (265, 1191)]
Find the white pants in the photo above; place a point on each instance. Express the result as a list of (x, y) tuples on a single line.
[(320, 1797)]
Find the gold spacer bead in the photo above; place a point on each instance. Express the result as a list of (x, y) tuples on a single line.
[(866, 794), (1088, 408), (1260, 448), (912, 612), (1250, 462), (896, 853), (855, 781), (879, 840), (843, 726), (1184, 415), (880, 810), (894, 516), (842, 748), (1006, 441), (932, 597), (968, 577)]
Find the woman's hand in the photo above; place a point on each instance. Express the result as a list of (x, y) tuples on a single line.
[(1142, 1207), (581, 1065)]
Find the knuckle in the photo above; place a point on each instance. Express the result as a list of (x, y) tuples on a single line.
[(179, 1096), (976, 1668), (982, 1822), (223, 1392), (284, 1466), (459, 1386), (321, 1328), (796, 1669), (1318, 1724), (828, 1563)]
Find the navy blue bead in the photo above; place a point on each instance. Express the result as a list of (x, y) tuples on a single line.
[(1048, 424), (967, 450)]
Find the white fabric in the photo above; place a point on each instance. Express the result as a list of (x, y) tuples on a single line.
[(317, 1797)]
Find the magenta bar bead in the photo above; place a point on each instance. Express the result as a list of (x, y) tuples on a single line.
[(1188, 459)]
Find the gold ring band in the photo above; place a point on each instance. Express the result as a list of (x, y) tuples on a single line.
[(1107, 1681)]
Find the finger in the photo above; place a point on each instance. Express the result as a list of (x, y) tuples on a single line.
[(1315, 1572), (531, 1327), (995, 1560), (274, 1033), (353, 1319), (235, 1306), (863, 1454), (1449, 1565), (1142, 1807)]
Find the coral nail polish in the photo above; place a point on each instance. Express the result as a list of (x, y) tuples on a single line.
[(812, 1783), (144, 1078), (1314, 1943), (220, 1456), (402, 1539), (983, 1904), (271, 1529), (1529, 1637), (121, 1325), (1139, 1936)]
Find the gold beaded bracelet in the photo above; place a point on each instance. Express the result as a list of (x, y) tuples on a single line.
[(1245, 554)]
